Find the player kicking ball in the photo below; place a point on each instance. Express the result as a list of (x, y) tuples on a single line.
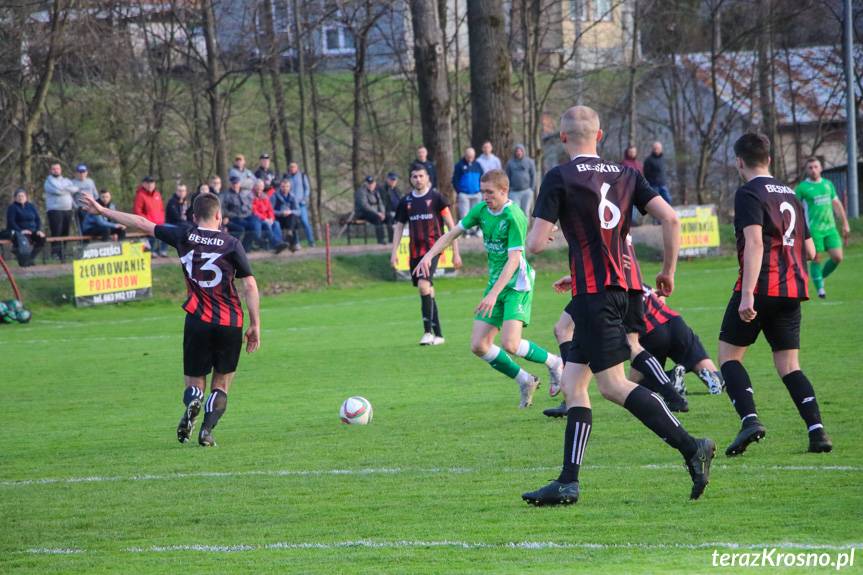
[(505, 308), (213, 334)]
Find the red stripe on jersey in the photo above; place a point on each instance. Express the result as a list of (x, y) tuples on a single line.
[(207, 314), (587, 264), (191, 303), (773, 271), (790, 281), (224, 311)]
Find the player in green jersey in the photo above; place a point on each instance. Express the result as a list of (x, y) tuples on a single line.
[(820, 202), (505, 308)]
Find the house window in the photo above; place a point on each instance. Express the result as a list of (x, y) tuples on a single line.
[(602, 10), (338, 40), (578, 10)]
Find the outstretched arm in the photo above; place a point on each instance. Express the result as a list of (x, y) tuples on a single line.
[(456, 257), (252, 336), (92, 206), (439, 246)]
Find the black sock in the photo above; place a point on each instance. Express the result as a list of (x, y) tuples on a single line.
[(564, 350), (427, 312), (738, 386), (804, 398), (435, 319), (191, 393), (655, 379), (579, 421), (215, 408), (653, 413)]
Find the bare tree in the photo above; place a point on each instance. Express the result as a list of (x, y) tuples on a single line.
[(271, 57)]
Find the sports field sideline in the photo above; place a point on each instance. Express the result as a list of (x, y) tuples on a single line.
[(94, 481)]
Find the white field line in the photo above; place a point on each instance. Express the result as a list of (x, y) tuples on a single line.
[(392, 471), (525, 545)]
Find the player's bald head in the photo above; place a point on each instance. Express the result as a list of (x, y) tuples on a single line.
[(580, 123)]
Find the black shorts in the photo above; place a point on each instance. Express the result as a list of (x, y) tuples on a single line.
[(633, 322), (674, 339), (208, 346), (599, 340), (416, 279), (778, 317)]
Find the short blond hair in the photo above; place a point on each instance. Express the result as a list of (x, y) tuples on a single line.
[(496, 178), (239, 157)]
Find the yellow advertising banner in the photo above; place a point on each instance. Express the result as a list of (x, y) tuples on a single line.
[(404, 253), (112, 272), (699, 230)]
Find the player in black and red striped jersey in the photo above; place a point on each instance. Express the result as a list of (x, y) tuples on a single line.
[(773, 245), (593, 199), (425, 211), (213, 335)]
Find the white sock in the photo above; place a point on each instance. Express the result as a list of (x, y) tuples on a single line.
[(553, 361), (491, 354), (523, 377)]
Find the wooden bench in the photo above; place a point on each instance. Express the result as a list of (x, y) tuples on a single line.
[(349, 221), (54, 240)]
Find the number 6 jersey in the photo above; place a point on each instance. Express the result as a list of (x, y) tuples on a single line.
[(765, 201), (211, 259), (593, 200)]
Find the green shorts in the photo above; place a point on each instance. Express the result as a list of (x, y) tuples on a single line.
[(826, 240), (510, 304)]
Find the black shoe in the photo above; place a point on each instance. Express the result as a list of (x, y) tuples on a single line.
[(699, 466), (752, 430), (293, 247), (205, 438), (555, 493), (820, 443), (559, 411), (187, 423), (281, 247), (678, 406)]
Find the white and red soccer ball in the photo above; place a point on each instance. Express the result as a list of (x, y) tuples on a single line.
[(356, 411)]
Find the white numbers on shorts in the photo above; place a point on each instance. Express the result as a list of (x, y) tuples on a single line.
[(787, 240), (207, 266), (606, 205)]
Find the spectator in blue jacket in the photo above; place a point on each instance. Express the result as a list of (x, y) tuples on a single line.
[(22, 219), (102, 226), (302, 191), (465, 180), (286, 206)]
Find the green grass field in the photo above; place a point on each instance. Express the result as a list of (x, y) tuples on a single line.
[(93, 480)]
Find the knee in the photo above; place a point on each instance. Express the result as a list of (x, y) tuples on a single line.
[(479, 348), (837, 257), (510, 346), (607, 392)]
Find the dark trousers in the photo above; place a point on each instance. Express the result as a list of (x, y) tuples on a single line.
[(247, 230), (374, 218), (391, 220), (36, 245), (59, 222), (290, 228)]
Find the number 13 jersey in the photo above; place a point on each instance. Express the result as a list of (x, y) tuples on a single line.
[(593, 200), (765, 201), (211, 260)]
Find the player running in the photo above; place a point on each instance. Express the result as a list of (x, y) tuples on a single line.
[(773, 243), (213, 335), (819, 203), (593, 201), (505, 308), (425, 211)]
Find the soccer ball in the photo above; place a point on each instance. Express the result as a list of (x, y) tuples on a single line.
[(356, 410), (23, 316), (14, 305)]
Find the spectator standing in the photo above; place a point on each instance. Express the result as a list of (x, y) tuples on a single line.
[(262, 208), (301, 189), (237, 214), (465, 180), (148, 204), (654, 172), (22, 219), (264, 172), (423, 160), (100, 225), (286, 207), (369, 206), (521, 172), (84, 183), (59, 203), (175, 212), (391, 197), (239, 170), (630, 160), (487, 160)]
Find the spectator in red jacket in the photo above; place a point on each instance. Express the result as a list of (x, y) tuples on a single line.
[(148, 204), (262, 208)]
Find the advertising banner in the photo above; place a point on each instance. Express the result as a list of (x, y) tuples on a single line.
[(403, 270), (699, 230), (111, 272)]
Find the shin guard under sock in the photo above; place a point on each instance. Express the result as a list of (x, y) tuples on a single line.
[(215, 408), (654, 414), (579, 421), (738, 386), (804, 398)]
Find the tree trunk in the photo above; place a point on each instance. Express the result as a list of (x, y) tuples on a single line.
[(490, 70), (361, 43), (531, 11), (271, 63), (765, 81), (633, 69), (299, 50), (214, 91), (434, 98)]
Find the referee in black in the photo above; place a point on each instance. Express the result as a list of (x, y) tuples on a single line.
[(213, 336), (593, 199)]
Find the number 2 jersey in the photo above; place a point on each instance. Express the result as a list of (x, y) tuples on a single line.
[(593, 200), (765, 201), (211, 260)]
